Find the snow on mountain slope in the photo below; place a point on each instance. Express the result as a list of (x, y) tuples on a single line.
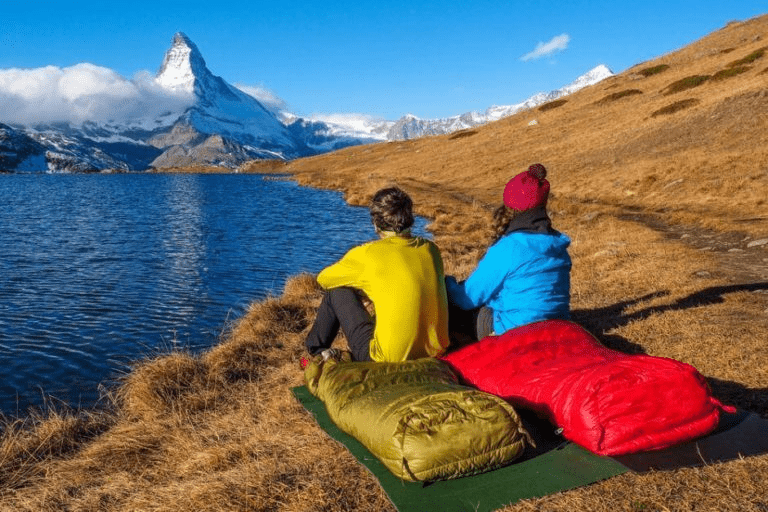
[(330, 132), (367, 129), (19, 151), (181, 64), (409, 126)]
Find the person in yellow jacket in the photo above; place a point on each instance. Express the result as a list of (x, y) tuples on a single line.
[(402, 275)]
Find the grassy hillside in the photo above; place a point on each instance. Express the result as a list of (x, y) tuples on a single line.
[(660, 178)]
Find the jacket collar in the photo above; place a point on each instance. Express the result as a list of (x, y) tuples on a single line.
[(390, 234), (534, 220)]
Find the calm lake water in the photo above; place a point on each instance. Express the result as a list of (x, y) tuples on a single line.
[(97, 271)]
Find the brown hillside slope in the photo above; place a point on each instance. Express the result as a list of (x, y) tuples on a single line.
[(623, 141), (659, 176)]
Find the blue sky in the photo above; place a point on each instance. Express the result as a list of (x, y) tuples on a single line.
[(384, 58)]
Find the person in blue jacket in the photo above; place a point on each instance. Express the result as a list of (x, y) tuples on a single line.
[(524, 275)]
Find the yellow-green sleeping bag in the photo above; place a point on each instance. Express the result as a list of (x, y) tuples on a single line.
[(417, 419)]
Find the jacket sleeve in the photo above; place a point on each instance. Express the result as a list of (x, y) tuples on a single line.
[(486, 280), (345, 272)]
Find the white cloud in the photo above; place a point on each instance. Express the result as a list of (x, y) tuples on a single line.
[(556, 44), (83, 92), (353, 124), (266, 97), (359, 121)]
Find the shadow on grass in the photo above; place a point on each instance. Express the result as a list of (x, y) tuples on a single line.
[(600, 320), (740, 396), (611, 317)]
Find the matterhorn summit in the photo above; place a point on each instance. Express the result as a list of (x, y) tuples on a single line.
[(181, 65), (184, 71), (223, 125)]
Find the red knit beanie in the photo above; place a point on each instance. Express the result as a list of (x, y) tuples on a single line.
[(528, 189)]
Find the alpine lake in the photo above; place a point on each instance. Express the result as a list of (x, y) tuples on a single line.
[(98, 271)]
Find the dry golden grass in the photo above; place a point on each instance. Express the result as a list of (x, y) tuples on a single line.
[(664, 197)]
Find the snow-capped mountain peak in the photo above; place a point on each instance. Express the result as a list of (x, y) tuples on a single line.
[(183, 63), (217, 109), (208, 121), (592, 76)]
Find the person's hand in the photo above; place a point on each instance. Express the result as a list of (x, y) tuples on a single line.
[(366, 302)]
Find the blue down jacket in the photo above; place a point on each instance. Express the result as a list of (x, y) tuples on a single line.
[(524, 277)]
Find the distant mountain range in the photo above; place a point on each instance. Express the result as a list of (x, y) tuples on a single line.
[(220, 125)]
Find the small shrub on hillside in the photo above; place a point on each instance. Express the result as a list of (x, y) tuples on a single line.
[(727, 50), (686, 83), (169, 382), (653, 70), (552, 104), (676, 107), (618, 95), (462, 134), (728, 73), (749, 59)]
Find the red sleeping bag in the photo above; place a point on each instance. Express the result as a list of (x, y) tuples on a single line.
[(606, 401)]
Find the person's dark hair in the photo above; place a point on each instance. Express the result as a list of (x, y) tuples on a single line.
[(391, 210), (502, 216)]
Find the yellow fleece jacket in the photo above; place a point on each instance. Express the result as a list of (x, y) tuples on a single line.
[(404, 279)]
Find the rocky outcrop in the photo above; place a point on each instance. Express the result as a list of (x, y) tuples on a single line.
[(20, 152)]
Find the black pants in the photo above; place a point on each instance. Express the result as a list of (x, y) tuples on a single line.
[(342, 308), (469, 325)]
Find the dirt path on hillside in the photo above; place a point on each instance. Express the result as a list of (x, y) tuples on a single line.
[(742, 258)]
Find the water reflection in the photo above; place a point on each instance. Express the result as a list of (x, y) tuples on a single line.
[(183, 241), (96, 271)]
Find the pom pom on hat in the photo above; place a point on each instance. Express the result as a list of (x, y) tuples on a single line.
[(528, 189), (538, 171)]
